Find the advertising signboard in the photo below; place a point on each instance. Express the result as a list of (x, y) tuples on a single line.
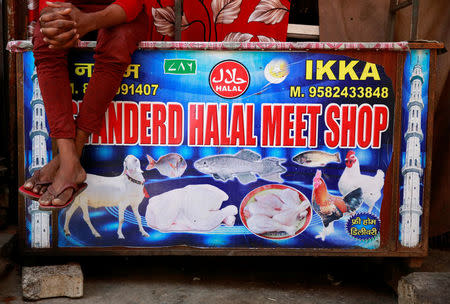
[(241, 149)]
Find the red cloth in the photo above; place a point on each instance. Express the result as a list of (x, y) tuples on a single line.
[(238, 20), (131, 7), (208, 20), (219, 20), (115, 45)]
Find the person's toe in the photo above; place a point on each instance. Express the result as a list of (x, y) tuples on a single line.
[(28, 185), (63, 198), (37, 189), (43, 189), (46, 199)]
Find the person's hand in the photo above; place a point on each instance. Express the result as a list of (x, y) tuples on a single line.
[(84, 22), (62, 34), (58, 27)]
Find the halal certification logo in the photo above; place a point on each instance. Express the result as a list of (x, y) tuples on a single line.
[(229, 79), (363, 226)]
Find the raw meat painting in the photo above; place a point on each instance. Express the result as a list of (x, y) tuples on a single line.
[(276, 212)]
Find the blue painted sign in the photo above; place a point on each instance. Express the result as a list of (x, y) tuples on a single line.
[(232, 149)]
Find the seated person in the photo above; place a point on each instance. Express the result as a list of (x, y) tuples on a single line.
[(120, 25)]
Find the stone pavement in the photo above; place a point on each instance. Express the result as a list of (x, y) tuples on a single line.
[(7, 246), (227, 280), (234, 280), (424, 287), (51, 281)]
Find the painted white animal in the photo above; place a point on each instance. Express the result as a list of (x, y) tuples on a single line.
[(124, 190), (192, 208), (352, 179)]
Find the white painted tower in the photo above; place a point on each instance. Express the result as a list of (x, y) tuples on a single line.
[(411, 209), (40, 220)]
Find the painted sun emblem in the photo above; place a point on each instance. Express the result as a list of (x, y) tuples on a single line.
[(276, 71)]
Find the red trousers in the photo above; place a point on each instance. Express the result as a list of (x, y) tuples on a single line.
[(115, 45)]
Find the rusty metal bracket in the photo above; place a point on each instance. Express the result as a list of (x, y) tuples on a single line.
[(393, 8), (397, 6), (178, 17)]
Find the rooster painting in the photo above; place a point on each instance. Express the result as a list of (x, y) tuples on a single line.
[(329, 207), (352, 179)]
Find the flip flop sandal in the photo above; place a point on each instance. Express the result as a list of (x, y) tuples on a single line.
[(29, 193), (77, 189)]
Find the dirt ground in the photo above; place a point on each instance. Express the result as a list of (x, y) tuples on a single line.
[(189, 280), (234, 280)]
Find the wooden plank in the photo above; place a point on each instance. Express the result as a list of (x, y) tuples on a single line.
[(426, 45), (397, 6), (396, 154), (432, 101), (178, 18), (54, 229), (303, 31), (20, 151), (192, 251), (12, 12), (414, 19)]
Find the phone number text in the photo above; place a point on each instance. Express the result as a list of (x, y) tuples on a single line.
[(145, 89), (340, 92)]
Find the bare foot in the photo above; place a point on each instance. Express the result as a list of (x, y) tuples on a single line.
[(70, 172), (46, 174)]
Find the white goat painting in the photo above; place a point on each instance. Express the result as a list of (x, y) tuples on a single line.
[(124, 190)]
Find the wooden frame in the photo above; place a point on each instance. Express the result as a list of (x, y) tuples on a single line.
[(390, 246)]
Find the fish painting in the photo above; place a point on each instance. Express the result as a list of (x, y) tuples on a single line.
[(171, 165), (316, 158), (244, 165)]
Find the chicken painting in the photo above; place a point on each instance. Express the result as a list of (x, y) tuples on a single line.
[(352, 179), (331, 208), (194, 208)]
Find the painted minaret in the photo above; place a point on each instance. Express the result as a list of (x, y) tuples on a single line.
[(40, 221), (411, 209)]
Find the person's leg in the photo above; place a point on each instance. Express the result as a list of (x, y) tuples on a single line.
[(115, 45), (69, 170), (49, 170), (53, 76), (55, 88)]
